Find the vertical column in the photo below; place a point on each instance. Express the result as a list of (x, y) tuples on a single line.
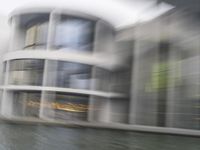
[(99, 107), (91, 103), (17, 39), (53, 18), (143, 97), (7, 101), (14, 25), (134, 83)]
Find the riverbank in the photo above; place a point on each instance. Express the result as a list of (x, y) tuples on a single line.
[(98, 125)]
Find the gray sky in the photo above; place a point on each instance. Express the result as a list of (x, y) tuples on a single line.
[(119, 12)]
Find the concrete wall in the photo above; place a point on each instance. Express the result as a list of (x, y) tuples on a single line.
[(176, 104)]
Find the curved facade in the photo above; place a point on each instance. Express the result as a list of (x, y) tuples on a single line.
[(57, 66)]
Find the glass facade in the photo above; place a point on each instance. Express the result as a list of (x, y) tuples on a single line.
[(70, 33), (3, 73), (120, 81), (75, 34), (1, 97), (67, 34), (26, 72), (31, 31), (102, 79), (145, 91), (184, 95), (60, 74), (70, 75), (26, 103), (36, 36), (67, 106), (166, 90)]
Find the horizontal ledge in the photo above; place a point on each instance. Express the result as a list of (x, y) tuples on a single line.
[(103, 125), (80, 57), (66, 90)]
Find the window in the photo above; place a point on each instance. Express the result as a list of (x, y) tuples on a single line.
[(67, 106), (36, 36), (74, 33), (67, 74), (27, 103), (26, 72)]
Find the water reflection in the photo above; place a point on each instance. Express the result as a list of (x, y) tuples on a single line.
[(23, 137)]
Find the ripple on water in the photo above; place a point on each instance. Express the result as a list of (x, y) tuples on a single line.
[(32, 137)]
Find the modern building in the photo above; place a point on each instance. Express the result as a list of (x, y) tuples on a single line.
[(61, 65), (165, 88), (68, 65)]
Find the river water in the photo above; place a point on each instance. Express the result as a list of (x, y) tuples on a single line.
[(39, 137)]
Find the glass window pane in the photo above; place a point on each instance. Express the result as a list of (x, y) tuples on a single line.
[(71, 75), (30, 36), (26, 72), (67, 106), (27, 103), (36, 36), (74, 33), (42, 31)]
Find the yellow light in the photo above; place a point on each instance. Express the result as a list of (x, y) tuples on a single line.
[(55, 105)]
